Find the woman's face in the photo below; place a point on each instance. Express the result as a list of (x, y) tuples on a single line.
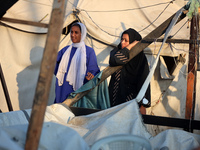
[(75, 34), (124, 40)]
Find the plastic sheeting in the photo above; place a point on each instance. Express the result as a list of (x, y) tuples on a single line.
[(98, 98), (58, 113), (62, 130), (53, 136)]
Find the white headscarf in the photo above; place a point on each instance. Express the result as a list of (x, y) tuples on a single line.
[(77, 69)]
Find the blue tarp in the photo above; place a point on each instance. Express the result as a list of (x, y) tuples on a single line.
[(98, 98)]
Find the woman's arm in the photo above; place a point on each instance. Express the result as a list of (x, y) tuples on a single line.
[(132, 45), (92, 65), (120, 56)]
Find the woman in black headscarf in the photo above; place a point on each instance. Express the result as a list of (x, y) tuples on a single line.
[(126, 83)]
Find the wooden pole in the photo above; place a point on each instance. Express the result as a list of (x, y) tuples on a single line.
[(133, 52), (192, 68), (25, 22), (180, 41), (3, 82), (45, 76)]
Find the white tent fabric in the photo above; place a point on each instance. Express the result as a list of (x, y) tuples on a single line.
[(121, 119), (56, 113), (22, 47), (67, 131), (54, 136), (175, 139)]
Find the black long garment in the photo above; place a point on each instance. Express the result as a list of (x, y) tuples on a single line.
[(126, 83)]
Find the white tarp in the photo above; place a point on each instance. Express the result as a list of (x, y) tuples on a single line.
[(22, 47), (54, 136), (63, 130)]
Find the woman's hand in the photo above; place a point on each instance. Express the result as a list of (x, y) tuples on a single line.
[(142, 110), (131, 45), (89, 76)]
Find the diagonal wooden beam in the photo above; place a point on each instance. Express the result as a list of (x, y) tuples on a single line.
[(160, 30), (45, 76)]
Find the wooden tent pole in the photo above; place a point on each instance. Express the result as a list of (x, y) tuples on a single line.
[(3, 82), (25, 22), (192, 68), (133, 52), (45, 76)]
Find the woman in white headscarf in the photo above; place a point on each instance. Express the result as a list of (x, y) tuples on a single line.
[(76, 64)]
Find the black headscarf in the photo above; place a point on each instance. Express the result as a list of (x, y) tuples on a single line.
[(133, 36)]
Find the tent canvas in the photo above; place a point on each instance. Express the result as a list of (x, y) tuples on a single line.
[(22, 47)]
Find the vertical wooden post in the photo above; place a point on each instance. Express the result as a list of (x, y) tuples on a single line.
[(197, 102), (192, 67), (10, 108), (45, 76)]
